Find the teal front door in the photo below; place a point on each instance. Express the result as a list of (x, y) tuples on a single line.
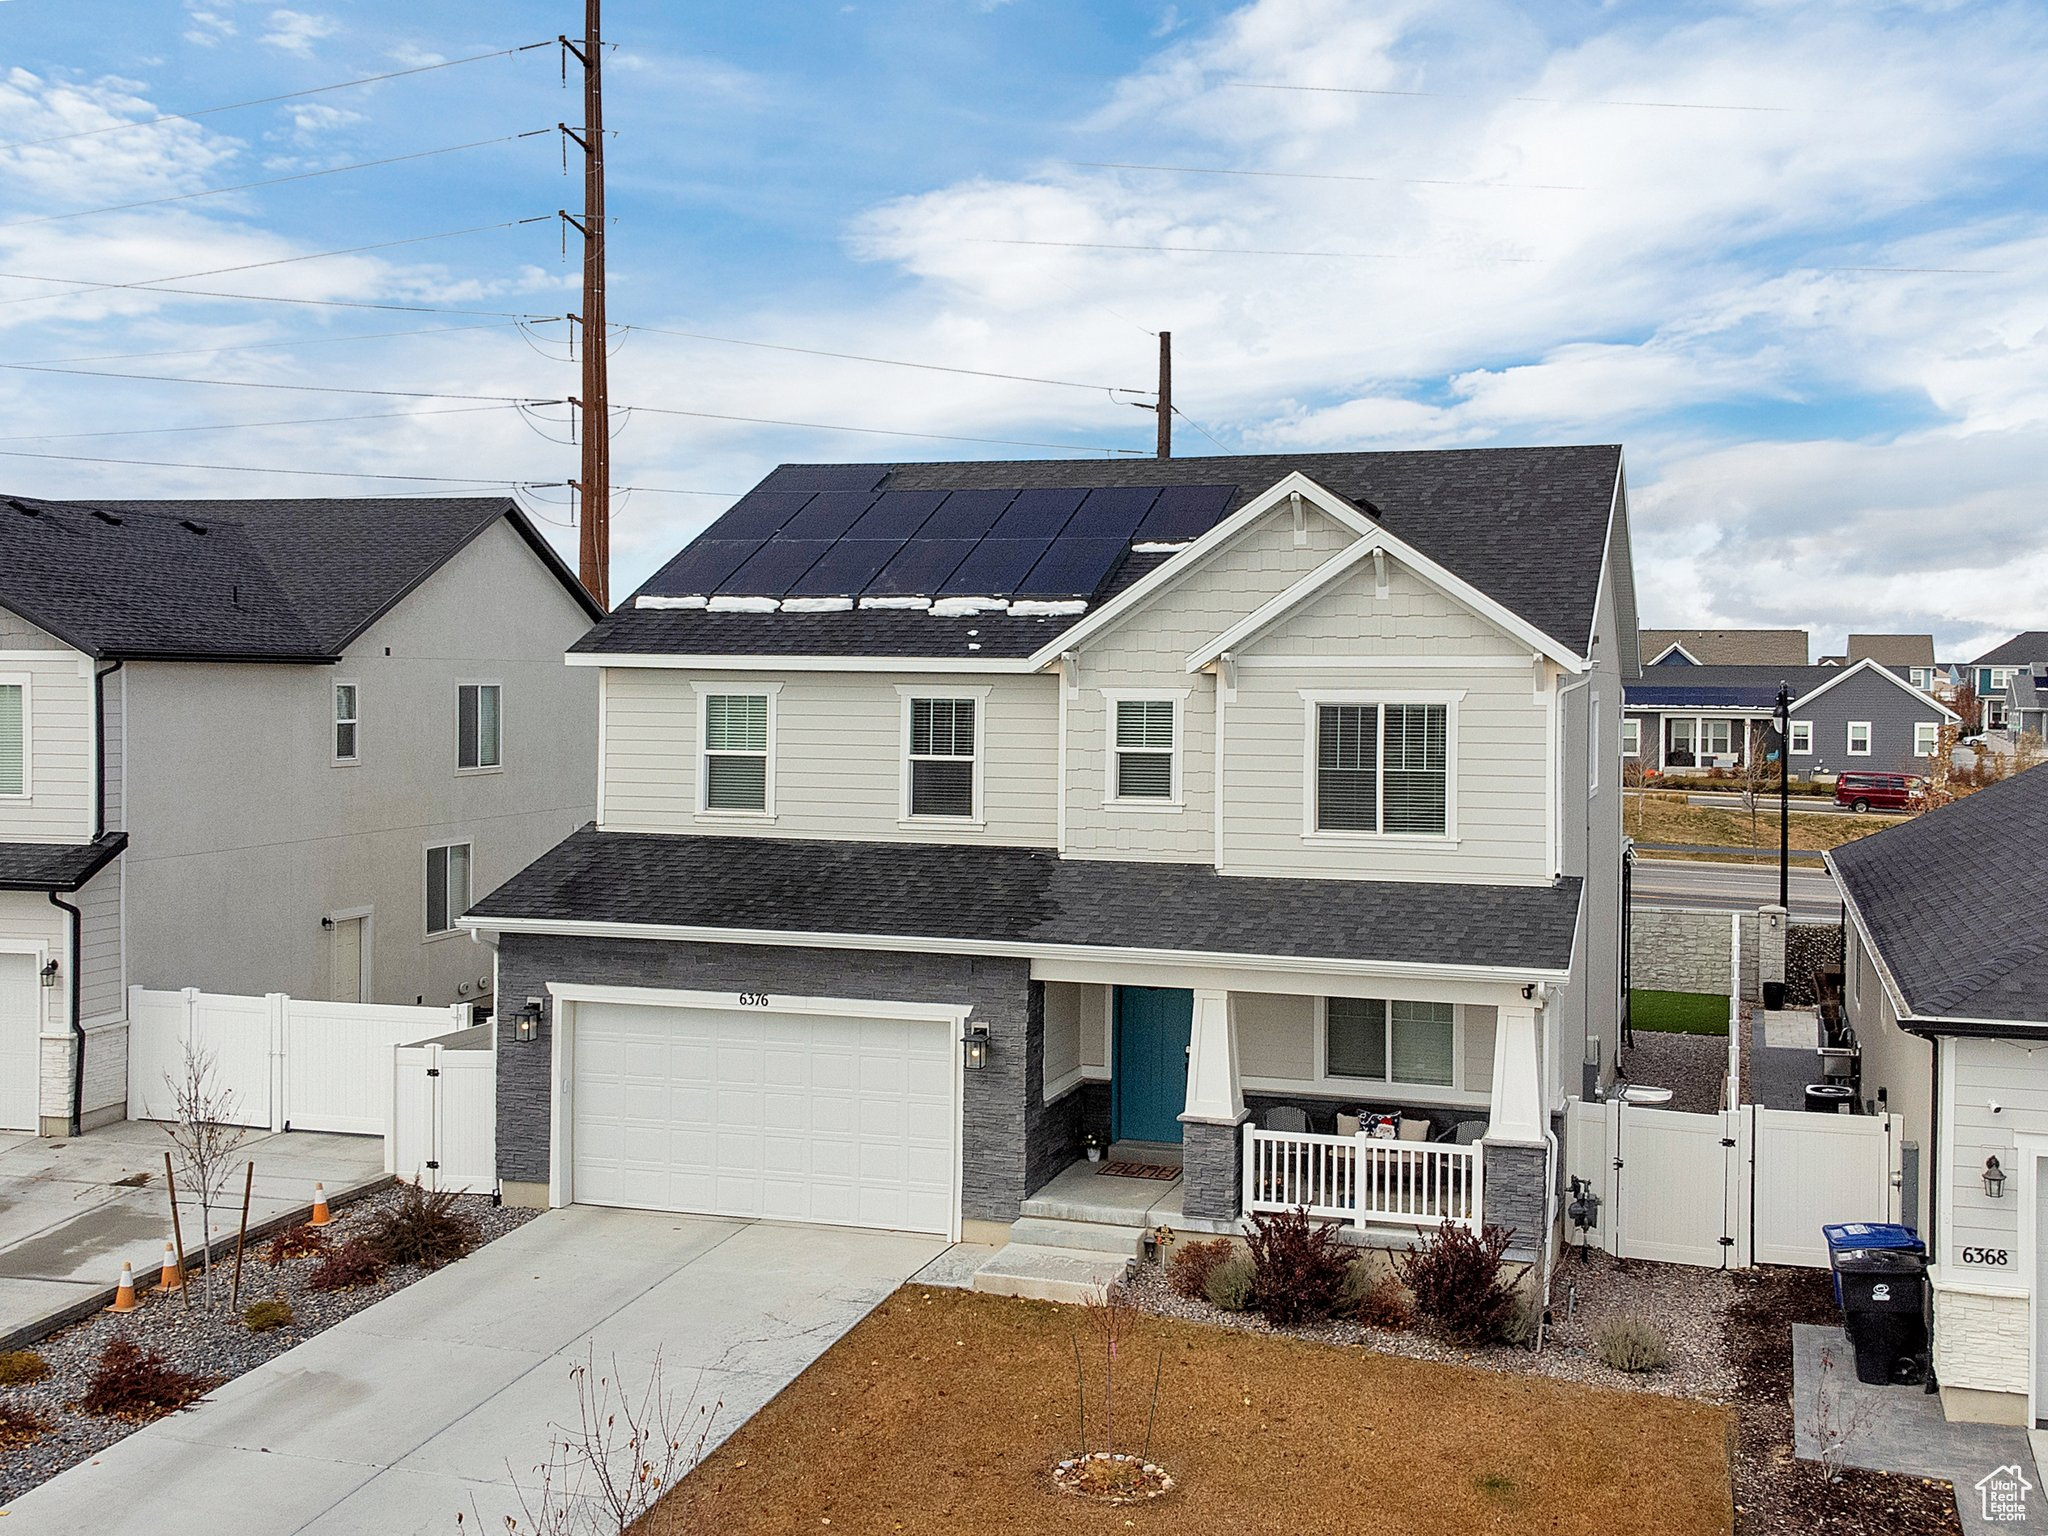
[(1149, 1077)]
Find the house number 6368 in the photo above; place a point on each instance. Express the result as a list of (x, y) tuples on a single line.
[(753, 999)]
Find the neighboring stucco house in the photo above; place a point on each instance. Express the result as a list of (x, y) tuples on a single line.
[(1946, 959), (1862, 715), (952, 814), (1725, 647), (265, 746)]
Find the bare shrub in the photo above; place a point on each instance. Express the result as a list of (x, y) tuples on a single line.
[(1385, 1303), (21, 1426), (1188, 1270), (426, 1228), (359, 1261), (1834, 1426), (300, 1242)]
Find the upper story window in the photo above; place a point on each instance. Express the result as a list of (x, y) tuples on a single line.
[(346, 724), (1921, 677), (1926, 737), (447, 886), (1802, 736), (13, 736), (1859, 738), (1381, 769), (1390, 1042), (738, 730), (2001, 678), (1631, 737), (1145, 762), (943, 761), (479, 726)]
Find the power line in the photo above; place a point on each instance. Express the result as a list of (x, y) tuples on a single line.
[(148, 284), (239, 426), (318, 389), (826, 426), (258, 469), (1404, 181), (1184, 416), (1559, 101), (272, 298), (264, 101), (890, 362), (274, 181), (265, 346)]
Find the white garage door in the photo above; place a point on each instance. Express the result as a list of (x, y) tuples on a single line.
[(757, 1113), (20, 1025)]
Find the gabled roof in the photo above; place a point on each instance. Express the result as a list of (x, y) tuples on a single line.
[(1755, 688), (1729, 647), (1956, 903), (2019, 651), (273, 580), (1893, 650), (846, 548)]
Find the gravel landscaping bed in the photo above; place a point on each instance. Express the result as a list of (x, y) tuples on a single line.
[(214, 1344), (1691, 1066)]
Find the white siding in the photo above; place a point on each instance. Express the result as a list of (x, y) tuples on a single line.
[(102, 973), (58, 808), (1980, 1074), (17, 634), (838, 755)]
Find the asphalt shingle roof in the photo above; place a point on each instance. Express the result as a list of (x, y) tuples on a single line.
[(56, 866), (293, 579), (2020, 650), (1527, 526), (1731, 647), (1956, 902), (1030, 895), (1892, 650)]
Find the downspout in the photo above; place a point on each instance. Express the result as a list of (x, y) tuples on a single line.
[(77, 1026)]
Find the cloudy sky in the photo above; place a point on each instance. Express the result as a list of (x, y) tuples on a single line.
[(1791, 255)]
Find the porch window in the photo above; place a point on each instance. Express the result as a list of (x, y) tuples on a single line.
[(1631, 738), (1354, 742), (1680, 752), (735, 752), (479, 734), (1390, 1042), (1859, 738), (345, 723), (1144, 749), (447, 887), (942, 758), (1802, 736), (13, 738), (1716, 737), (1926, 736)]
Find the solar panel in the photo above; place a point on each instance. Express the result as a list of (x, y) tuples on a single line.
[(846, 568), (758, 514), (1184, 512), (1072, 568), (1037, 514), (1112, 512), (826, 477), (919, 568), (774, 568), (896, 515), (828, 515), (966, 515), (702, 566), (994, 567)]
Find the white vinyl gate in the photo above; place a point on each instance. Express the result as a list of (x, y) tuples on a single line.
[(444, 1132), (1744, 1186)]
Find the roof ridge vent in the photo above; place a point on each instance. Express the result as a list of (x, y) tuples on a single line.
[(23, 507), (106, 517), (187, 523)]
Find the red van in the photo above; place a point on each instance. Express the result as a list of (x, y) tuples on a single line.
[(1878, 791)]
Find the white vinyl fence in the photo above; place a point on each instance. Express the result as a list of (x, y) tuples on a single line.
[(444, 1108), (286, 1063)]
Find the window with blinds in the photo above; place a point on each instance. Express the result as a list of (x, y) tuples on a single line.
[(1389, 1042), (1421, 1048), (345, 723), (1383, 768), (942, 757), (1355, 1032), (1144, 749), (735, 752), (447, 886), (479, 736), (13, 739)]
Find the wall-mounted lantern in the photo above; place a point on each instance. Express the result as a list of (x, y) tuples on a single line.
[(1994, 1178), (49, 974), (975, 1047), (526, 1022)]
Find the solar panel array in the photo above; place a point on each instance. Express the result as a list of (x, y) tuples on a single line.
[(834, 534)]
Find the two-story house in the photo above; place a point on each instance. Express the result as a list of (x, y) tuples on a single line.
[(265, 746), (1993, 674), (951, 815)]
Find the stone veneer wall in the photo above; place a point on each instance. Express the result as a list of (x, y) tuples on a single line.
[(1011, 1136), (1980, 1340), (1212, 1170), (106, 1079), (1514, 1195), (1674, 949)]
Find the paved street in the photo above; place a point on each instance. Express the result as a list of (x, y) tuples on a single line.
[(1734, 888)]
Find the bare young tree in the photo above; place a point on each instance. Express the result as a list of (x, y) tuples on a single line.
[(1945, 781), (1757, 778), (1635, 779), (203, 1144), (1835, 1426)]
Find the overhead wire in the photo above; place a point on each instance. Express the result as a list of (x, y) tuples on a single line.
[(1225, 250), (241, 426), (259, 469), (889, 362), (1184, 416), (826, 426), (327, 389), (1405, 181), (265, 346), (274, 298), (1559, 101)]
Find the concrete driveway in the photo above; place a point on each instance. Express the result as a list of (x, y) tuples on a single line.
[(72, 1210), (435, 1400)]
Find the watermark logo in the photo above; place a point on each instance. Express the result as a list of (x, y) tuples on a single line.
[(2004, 1491)]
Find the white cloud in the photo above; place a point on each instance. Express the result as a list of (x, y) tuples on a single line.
[(297, 31)]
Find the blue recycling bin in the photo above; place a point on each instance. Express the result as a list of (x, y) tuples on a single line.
[(1846, 1236)]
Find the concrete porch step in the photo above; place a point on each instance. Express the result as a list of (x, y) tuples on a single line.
[(1050, 1274), (1087, 1236)]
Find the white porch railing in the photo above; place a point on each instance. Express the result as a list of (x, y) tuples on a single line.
[(1360, 1179)]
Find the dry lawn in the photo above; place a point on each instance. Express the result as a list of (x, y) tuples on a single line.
[(1655, 818), (944, 1411)]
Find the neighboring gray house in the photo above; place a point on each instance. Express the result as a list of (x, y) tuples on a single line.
[(952, 814), (1993, 674), (2026, 701), (1860, 716), (1946, 959), (265, 746), (1725, 647)]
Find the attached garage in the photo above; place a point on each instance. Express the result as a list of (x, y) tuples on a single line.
[(807, 1109)]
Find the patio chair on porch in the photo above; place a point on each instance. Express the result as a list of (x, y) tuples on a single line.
[(1287, 1117)]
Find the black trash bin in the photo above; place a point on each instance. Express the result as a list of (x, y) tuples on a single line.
[(1884, 1307), (1830, 1099), (1774, 995)]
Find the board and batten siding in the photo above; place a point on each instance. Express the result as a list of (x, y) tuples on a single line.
[(1500, 755), (58, 806), (837, 755), (1146, 653)]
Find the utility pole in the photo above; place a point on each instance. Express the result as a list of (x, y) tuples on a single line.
[(594, 486), (1166, 394)]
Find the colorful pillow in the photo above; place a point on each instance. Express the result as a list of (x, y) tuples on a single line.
[(1382, 1127)]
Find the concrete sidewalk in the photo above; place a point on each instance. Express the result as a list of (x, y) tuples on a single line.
[(435, 1400), (72, 1210)]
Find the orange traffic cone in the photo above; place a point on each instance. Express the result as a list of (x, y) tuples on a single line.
[(124, 1297), (173, 1277), (320, 1217)]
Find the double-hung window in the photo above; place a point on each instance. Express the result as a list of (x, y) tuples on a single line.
[(1802, 737), (1144, 759), (1680, 751), (1717, 737), (447, 887), (1631, 737), (736, 729), (1859, 738), (1382, 768), (943, 760), (1389, 1042), (479, 726), (346, 724), (1926, 737), (13, 737)]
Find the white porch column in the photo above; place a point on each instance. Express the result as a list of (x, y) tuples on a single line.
[(1517, 1106), (1215, 1093)]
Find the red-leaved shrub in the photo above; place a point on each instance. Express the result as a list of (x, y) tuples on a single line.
[(1458, 1283), (1191, 1264), (1298, 1267)]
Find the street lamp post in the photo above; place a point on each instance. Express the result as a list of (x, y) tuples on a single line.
[(1784, 797)]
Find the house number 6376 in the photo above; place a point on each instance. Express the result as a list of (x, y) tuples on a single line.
[(753, 999)]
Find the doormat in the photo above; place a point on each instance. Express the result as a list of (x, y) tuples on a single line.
[(1139, 1171)]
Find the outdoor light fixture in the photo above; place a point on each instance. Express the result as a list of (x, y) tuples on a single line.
[(1994, 1178), (975, 1047), (49, 975), (526, 1022)]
